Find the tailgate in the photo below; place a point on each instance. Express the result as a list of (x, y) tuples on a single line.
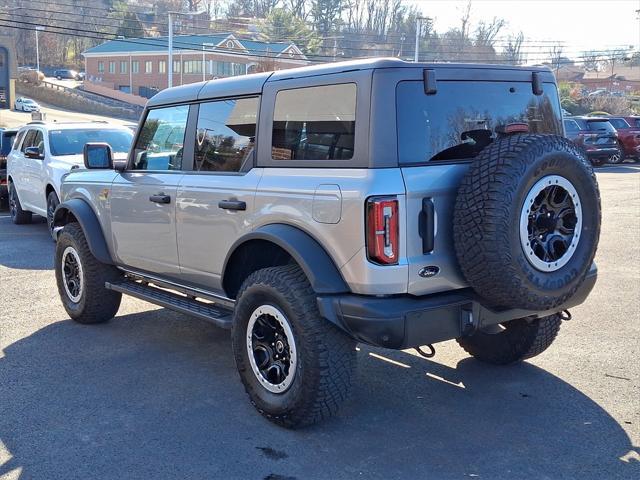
[(430, 196)]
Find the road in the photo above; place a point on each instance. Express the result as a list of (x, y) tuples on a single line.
[(11, 118), (154, 394)]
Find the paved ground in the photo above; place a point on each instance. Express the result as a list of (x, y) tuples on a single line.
[(11, 118), (153, 394)]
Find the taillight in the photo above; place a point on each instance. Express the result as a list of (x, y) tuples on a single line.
[(382, 230)]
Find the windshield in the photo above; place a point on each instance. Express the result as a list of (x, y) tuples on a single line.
[(461, 118), (28, 100), (71, 142), (600, 126)]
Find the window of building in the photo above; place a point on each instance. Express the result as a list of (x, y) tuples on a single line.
[(225, 135), (162, 66), (239, 69), (100, 67), (135, 66), (176, 66), (315, 123), (148, 66), (192, 66), (112, 67), (123, 66), (161, 140), (222, 69)]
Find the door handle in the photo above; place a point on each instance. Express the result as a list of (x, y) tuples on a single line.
[(160, 198), (232, 205)]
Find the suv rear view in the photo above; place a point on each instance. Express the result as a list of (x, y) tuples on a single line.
[(383, 202), (596, 136)]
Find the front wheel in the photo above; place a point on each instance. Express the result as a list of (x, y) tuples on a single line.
[(81, 278), (512, 341), (296, 366), (52, 203), (616, 158)]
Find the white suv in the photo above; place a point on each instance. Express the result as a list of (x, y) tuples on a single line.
[(42, 153)]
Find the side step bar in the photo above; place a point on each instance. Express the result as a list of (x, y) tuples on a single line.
[(210, 312)]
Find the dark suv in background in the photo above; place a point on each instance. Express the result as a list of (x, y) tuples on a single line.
[(67, 74), (596, 136), (628, 129), (6, 141)]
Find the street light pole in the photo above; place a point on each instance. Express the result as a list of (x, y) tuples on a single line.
[(170, 59)]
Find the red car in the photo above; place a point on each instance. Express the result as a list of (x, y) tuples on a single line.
[(628, 137), (595, 135)]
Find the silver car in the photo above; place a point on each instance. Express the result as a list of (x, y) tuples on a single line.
[(390, 203)]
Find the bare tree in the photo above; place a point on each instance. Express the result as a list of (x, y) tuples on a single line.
[(591, 60), (555, 56), (512, 52)]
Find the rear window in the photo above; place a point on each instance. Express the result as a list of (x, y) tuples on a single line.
[(571, 126), (71, 142), (619, 123), (461, 118), (600, 126), (6, 142)]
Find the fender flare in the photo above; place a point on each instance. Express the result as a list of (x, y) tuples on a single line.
[(89, 223), (323, 275)]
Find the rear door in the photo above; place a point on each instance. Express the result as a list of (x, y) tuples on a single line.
[(439, 134), (216, 199), (143, 197)]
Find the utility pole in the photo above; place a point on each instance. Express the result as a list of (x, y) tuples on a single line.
[(170, 59), (38, 29), (418, 31)]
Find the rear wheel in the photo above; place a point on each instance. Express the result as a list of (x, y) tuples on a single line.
[(512, 341), (617, 157), (18, 215), (81, 278), (296, 366)]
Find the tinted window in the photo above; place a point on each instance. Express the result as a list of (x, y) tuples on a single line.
[(600, 126), (18, 139), (71, 142), (315, 123), (619, 123), (461, 118), (571, 126), (225, 135), (28, 139), (161, 140), (7, 141)]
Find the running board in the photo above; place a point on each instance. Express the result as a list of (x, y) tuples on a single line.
[(206, 311)]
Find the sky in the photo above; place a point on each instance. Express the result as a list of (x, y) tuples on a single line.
[(578, 24)]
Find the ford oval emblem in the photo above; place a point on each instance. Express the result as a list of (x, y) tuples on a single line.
[(429, 271)]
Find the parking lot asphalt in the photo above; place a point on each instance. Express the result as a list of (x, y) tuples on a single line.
[(155, 394)]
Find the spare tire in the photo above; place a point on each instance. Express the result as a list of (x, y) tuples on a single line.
[(527, 221)]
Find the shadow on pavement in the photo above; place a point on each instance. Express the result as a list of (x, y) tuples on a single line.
[(156, 395), (33, 251), (621, 168)]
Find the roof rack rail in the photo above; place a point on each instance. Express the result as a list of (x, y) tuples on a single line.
[(36, 122)]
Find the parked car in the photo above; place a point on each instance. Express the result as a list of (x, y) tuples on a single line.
[(7, 136), (66, 74), (26, 105), (42, 153), (596, 136), (385, 202), (628, 129)]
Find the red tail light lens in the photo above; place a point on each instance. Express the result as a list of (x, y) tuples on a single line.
[(382, 230)]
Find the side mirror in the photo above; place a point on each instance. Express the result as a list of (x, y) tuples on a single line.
[(33, 152), (97, 155)]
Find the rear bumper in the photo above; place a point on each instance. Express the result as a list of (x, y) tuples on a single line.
[(601, 152), (3, 183), (404, 321)]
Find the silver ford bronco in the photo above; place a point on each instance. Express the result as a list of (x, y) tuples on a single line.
[(378, 201)]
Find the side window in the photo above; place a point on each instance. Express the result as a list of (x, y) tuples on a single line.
[(161, 140), (571, 126), (225, 135), (18, 139), (38, 141), (28, 140), (314, 123)]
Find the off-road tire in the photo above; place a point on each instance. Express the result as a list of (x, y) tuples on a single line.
[(326, 356), (96, 303), (487, 216), (18, 215), (520, 339), (52, 203)]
